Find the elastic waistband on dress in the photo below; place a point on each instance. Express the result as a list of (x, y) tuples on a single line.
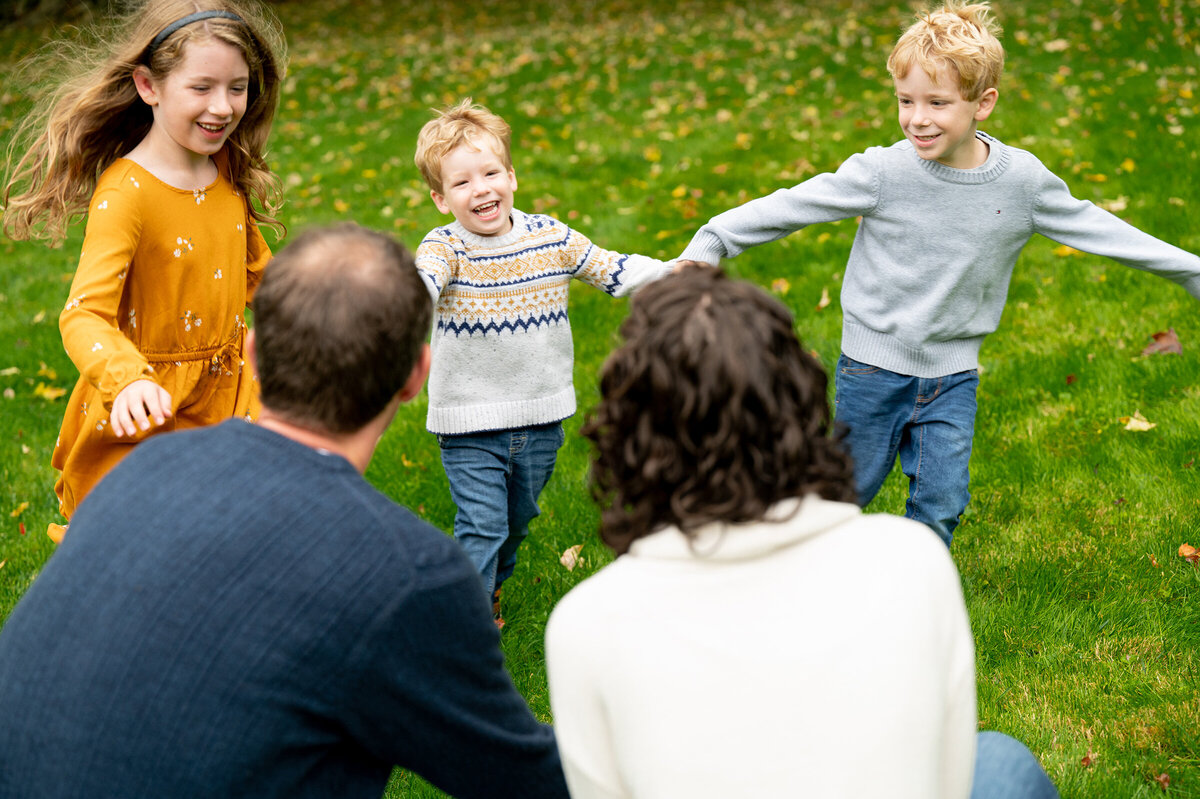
[(200, 354)]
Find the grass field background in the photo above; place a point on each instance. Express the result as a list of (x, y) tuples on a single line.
[(635, 123)]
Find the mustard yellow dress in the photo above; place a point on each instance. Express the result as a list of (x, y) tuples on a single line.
[(160, 293)]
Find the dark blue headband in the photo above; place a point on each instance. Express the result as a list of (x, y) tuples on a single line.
[(188, 20)]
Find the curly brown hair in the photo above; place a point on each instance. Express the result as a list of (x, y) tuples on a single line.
[(710, 411)]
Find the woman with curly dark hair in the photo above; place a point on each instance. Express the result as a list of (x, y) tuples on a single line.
[(758, 635)]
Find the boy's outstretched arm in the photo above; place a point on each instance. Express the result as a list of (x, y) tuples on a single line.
[(1087, 227), (851, 191), (615, 273)]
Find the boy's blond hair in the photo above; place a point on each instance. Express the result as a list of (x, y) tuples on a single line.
[(965, 37), (465, 123)]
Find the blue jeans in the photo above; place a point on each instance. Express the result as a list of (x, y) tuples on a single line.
[(495, 480), (928, 421), (1006, 769)]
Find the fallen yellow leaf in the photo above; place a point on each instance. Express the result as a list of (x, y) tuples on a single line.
[(1063, 250), (780, 285), (48, 393), (824, 301), (1137, 423), (570, 558), (19, 509)]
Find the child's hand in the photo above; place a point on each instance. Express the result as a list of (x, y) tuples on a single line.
[(137, 403), (682, 264)]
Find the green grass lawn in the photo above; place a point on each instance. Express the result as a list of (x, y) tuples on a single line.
[(635, 123)]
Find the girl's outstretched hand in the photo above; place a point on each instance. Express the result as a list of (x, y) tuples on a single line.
[(137, 404)]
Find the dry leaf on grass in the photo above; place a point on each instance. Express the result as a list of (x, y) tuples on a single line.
[(1137, 423), (1165, 342), (570, 558), (824, 301), (1189, 553), (48, 393)]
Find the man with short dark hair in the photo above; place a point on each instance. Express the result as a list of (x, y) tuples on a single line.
[(237, 612)]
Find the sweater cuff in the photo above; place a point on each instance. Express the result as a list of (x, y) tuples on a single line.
[(704, 247), (1192, 284)]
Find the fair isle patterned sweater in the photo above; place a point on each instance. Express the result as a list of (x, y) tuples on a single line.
[(502, 350)]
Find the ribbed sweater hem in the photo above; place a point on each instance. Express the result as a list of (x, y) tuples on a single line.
[(933, 359), (462, 419)]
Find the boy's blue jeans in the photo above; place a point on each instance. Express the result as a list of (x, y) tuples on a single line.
[(495, 480), (928, 421)]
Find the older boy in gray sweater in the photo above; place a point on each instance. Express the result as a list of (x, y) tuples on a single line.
[(945, 213)]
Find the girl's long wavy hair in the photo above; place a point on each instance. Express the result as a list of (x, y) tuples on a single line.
[(711, 411), (88, 112)]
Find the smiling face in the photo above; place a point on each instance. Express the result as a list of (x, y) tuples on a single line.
[(199, 103), (478, 189), (938, 121)]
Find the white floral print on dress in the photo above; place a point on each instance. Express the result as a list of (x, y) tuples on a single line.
[(102, 205), (199, 195), (133, 180), (190, 320)]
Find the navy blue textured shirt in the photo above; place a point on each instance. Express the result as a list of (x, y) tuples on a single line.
[(235, 614)]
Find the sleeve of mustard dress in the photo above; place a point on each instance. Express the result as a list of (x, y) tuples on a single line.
[(258, 254), (90, 323)]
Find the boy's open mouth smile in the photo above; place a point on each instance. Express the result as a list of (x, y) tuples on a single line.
[(487, 209)]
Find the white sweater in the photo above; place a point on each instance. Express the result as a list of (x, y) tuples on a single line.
[(825, 655)]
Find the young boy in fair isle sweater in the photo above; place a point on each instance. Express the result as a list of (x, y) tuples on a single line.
[(945, 213), (500, 384)]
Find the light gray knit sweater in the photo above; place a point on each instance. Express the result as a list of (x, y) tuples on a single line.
[(503, 356), (929, 270)]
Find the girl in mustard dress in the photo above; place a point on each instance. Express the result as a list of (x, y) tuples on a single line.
[(172, 117)]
